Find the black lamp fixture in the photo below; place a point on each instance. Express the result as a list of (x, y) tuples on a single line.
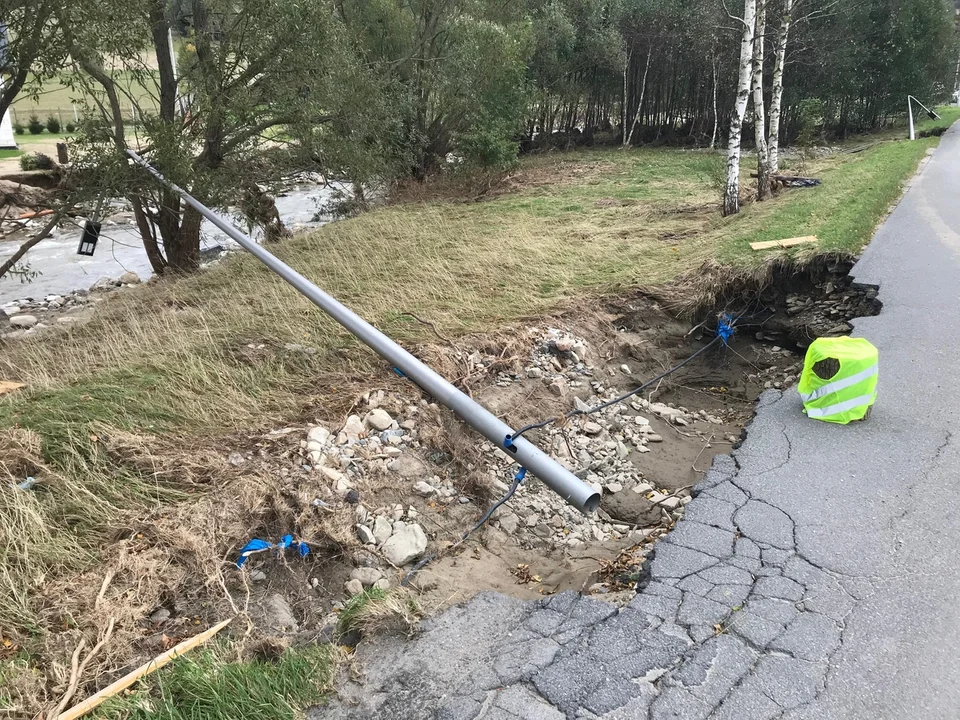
[(88, 241)]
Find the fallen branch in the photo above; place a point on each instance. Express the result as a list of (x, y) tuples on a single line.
[(130, 678), (791, 180), (430, 325), (77, 672), (22, 250)]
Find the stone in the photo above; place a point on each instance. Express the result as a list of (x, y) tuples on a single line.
[(531, 520), (564, 344), (366, 535), (670, 503), (613, 487), (424, 489), (643, 488), (353, 428), (382, 529), (366, 575), (631, 508), (534, 372), (509, 522), (382, 584), (378, 419), (353, 587), (160, 615), (408, 467), (236, 459), (278, 614), (258, 575), (103, 283), (319, 435), (654, 438), (23, 322), (405, 545), (592, 428), (67, 320), (129, 278)]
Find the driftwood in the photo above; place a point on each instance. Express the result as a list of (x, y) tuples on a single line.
[(788, 242), (791, 180)]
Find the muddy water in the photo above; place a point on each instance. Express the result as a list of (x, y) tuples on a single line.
[(119, 250)]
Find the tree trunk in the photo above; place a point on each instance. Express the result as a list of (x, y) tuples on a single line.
[(731, 195), (716, 119), (44, 232), (759, 115), (643, 89), (776, 91), (183, 255)]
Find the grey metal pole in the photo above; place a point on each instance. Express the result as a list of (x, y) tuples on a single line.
[(555, 476), (911, 136)]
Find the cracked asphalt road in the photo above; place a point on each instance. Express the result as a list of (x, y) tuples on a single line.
[(827, 554)]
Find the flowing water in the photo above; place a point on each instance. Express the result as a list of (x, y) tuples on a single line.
[(119, 248)]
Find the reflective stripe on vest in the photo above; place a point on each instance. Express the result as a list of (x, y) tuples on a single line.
[(840, 407), (839, 385)]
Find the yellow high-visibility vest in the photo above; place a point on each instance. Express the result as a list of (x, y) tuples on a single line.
[(847, 395)]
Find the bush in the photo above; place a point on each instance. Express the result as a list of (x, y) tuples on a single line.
[(36, 161), (18, 128), (53, 124), (35, 126), (70, 127)]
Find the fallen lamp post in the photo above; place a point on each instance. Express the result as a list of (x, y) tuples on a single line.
[(931, 113), (563, 482)]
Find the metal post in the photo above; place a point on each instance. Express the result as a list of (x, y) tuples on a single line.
[(910, 116), (555, 476)]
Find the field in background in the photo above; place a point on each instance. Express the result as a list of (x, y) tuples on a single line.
[(204, 356)]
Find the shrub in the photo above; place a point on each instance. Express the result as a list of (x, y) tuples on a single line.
[(36, 161), (35, 126), (70, 127), (53, 124), (18, 128)]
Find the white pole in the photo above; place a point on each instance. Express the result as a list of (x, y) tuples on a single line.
[(910, 116)]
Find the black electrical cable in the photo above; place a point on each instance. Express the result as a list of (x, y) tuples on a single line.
[(480, 523)]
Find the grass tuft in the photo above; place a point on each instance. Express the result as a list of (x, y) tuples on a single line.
[(206, 685)]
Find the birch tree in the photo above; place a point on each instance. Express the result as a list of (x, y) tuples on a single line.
[(776, 90), (759, 116), (731, 195)]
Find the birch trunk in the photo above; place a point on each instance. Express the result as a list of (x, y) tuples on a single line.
[(643, 90), (716, 119), (776, 91), (759, 113), (731, 195)]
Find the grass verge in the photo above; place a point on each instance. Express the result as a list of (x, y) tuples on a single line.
[(209, 685), (195, 359)]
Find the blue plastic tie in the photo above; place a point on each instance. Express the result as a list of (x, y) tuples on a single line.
[(725, 327), (257, 545), (399, 372)]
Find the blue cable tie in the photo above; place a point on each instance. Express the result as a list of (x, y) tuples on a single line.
[(725, 327)]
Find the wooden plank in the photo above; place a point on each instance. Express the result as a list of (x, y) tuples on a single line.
[(7, 386), (789, 242)]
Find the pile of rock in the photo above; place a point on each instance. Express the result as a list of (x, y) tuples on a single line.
[(832, 305), (29, 315)]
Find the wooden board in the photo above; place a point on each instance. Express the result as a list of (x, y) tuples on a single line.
[(7, 386), (789, 242)]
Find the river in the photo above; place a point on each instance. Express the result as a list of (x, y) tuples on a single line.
[(119, 249)]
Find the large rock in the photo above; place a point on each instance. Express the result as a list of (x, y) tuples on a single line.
[(104, 283), (319, 435), (366, 575), (378, 419), (23, 321), (631, 508), (409, 467), (129, 278), (406, 544), (277, 614)]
